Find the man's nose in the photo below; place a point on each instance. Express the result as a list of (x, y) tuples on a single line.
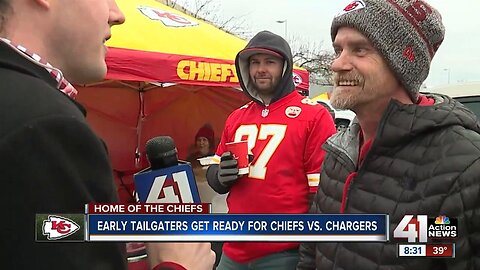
[(116, 16), (342, 62), (262, 67)]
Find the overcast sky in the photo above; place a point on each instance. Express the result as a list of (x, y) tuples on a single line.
[(309, 21)]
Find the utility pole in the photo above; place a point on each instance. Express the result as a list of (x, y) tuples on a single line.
[(447, 69), (285, 22)]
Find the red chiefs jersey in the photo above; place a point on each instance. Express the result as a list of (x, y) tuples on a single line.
[(286, 140)]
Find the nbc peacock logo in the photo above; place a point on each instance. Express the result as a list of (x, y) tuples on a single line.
[(442, 220), (442, 227)]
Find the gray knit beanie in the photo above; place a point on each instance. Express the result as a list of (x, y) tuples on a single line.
[(407, 33)]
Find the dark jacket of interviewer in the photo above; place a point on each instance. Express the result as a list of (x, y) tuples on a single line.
[(50, 162), (423, 160)]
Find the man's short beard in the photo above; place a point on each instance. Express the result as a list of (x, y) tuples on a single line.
[(345, 102), (264, 90), (270, 90)]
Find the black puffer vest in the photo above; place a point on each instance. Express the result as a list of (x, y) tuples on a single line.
[(423, 160)]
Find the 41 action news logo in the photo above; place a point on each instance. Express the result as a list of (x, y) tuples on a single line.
[(59, 227), (421, 228)]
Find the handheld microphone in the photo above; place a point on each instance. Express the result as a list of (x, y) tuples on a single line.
[(167, 180), (161, 152)]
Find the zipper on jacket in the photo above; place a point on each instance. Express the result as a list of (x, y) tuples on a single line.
[(358, 173), (345, 162), (346, 191)]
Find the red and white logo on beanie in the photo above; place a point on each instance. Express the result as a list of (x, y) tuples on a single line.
[(355, 5)]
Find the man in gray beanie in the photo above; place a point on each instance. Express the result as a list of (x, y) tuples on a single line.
[(405, 153)]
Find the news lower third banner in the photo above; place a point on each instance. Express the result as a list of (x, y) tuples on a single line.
[(199, 225), (235, 227)]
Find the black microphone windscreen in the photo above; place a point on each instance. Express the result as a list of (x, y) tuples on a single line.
[(161, 152)]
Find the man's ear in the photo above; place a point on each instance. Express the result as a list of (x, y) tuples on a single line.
[(43, 3)]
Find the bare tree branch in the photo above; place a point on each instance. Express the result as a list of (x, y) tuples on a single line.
[(201, 6), (316, 61)]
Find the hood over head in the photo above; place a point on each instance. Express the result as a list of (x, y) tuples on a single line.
[(266, 42)]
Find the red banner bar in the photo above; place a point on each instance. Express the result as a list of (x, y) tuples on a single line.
[(441, 250)]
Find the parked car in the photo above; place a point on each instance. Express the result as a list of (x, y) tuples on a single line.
[(343, 118), (466, 93)]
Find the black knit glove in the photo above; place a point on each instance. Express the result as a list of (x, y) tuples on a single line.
[(227, 170)]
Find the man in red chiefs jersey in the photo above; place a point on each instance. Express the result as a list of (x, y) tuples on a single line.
[(285, 132)]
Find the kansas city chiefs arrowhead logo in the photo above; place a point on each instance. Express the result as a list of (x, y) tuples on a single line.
[(355, 5), (297, 79), (57, 227), (167, 18)]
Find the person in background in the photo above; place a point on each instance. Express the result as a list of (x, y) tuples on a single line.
[(204, 145), (51, 160), (285, 132), (405, 153)]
